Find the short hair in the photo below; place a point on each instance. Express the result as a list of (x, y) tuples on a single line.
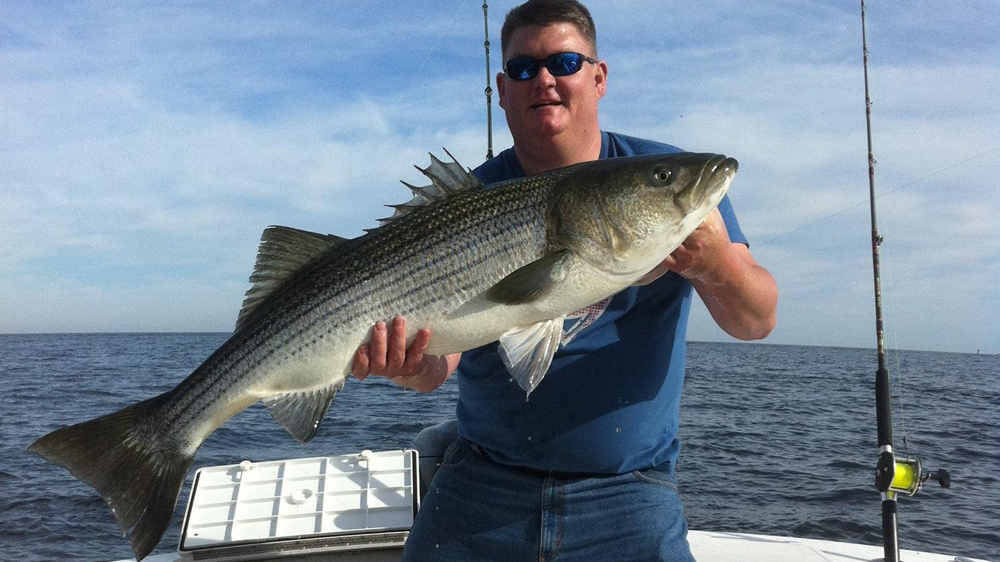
[(549, 12)]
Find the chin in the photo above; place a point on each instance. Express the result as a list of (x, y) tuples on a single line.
[(548, 127)]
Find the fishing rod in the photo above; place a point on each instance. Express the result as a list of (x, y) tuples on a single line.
[(892, 475), (489, 88)]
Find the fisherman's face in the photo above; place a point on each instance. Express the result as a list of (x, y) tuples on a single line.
[(547, 106)]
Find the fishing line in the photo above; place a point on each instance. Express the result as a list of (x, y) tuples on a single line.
[(441, 36), (416, 73), (883, 193), (955, 165), (896, 377)]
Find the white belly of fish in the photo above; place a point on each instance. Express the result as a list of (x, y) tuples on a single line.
[(481, 321)]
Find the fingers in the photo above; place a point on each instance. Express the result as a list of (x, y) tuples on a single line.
[(680, 260), (656, 272), (396, 351), (360, 366), (712, 227), (712, 230), (386, 353), (430, 375), (415, 354), (685, 259), (377, 350)]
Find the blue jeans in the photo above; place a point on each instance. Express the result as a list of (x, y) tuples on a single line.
[(477, 509)]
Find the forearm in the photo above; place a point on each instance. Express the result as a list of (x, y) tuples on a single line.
[(740, 295)]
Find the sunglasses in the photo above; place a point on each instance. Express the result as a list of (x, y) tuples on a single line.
[(559, 64)]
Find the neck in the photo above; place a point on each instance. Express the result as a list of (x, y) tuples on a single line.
[(541, 155)]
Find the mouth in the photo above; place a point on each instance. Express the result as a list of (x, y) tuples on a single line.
[(545, 104), (720, 167), (709, 184), (717, 173)]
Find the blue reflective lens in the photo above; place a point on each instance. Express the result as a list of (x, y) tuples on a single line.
[(559, 64), (564, 64), (522, 68)]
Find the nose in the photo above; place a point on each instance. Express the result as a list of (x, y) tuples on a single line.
[(544, 78)]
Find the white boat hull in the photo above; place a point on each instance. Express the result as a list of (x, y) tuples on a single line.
[(707, 546)]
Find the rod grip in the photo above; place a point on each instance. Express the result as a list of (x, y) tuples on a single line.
[(890, 532), (883, 407)]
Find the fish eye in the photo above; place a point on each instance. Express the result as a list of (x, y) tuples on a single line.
[(662, 176)]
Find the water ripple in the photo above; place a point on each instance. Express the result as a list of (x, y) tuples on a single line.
[(776, 439)]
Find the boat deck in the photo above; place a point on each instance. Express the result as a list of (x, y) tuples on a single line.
[(707, 546)]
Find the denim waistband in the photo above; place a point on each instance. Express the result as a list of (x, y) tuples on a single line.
[(562, 475)]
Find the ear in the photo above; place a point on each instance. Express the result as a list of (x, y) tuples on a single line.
[(501, 90), (601, 78)]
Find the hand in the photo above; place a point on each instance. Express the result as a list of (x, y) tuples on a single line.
[(740, 294), (386, 355), (701, 256)]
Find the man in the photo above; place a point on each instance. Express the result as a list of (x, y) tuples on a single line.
[(584, 470)]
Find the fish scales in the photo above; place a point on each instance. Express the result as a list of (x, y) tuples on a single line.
[(469, 232)]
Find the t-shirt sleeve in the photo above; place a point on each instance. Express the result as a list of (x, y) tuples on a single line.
[(732, 224)]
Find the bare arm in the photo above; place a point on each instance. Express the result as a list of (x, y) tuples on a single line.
[(740, 294), (386, 355)]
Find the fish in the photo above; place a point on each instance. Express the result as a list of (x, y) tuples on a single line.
[(475, 264)]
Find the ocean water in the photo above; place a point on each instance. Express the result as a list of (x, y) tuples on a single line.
[(776, 439)]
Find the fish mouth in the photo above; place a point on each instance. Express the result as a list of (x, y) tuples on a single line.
[(714, 179), (717, 166)]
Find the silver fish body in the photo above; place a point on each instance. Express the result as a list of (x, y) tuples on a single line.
[(473, 264)]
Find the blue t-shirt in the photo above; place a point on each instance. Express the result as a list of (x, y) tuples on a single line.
[(610, 402)]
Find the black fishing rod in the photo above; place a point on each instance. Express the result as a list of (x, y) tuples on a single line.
[(489, 88), (892, 475)]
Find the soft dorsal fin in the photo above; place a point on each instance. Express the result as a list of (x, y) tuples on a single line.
[(282, 251), (446, 179), (300, 413)]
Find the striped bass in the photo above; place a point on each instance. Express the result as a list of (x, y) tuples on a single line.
[(473, 264)]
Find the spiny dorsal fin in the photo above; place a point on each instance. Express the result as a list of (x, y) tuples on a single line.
[(300, 413), (282, 251), (446, 179)]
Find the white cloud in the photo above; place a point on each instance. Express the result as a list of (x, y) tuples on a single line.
[(143, 151)]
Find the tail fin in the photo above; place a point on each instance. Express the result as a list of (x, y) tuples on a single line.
[(121, 456)]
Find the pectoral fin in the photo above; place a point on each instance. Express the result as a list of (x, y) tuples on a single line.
[(301, 412), (527, 352), (531, 282)]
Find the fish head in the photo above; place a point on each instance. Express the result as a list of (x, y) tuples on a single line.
[(625, 215)]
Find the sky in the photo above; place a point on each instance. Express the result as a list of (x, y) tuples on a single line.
[(144, 147)]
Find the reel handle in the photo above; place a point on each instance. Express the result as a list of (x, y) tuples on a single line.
[(942, 477)]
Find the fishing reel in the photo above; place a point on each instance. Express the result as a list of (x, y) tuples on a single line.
[(906, 476)]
